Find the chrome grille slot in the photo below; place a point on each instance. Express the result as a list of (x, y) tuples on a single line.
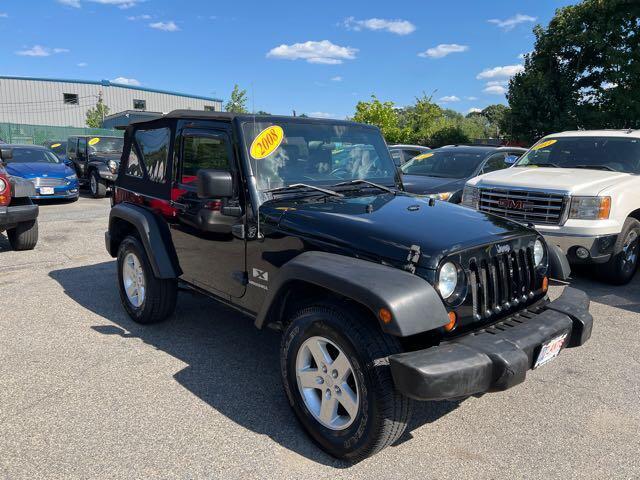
[(48, 182), (501, 282), (524, 206)]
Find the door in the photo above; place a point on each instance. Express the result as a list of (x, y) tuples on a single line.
[(81, 158), (210, 255)]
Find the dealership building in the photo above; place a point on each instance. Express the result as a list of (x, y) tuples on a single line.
[(64, 103)]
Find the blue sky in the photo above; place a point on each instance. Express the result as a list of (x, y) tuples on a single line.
[(317, 57)]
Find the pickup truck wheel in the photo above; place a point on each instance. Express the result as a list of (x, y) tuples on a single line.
[(622, 266), (146, 299), (24, 236), (97, 186), (337, 379)]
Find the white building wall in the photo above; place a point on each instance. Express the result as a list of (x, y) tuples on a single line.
[(40, 102)]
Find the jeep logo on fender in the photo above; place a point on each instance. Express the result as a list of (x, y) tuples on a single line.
[(514, 204)]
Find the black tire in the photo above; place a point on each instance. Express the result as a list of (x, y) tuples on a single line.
[(100, 188), (24, 236), (620, 269), (160, 294), (383, 412)]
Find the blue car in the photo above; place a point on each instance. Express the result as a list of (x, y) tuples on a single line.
[(52, 177)]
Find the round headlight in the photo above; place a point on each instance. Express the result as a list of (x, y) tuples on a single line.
[(113, 166), (538, 252), (3, 185), (447, 280)]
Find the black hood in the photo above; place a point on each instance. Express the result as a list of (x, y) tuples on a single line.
[(385, 227), (424, 185)]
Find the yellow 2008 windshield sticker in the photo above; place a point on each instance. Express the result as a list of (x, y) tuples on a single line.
[(542, 145), (56, 145), (423, 156), (93, 141), (267, 142)]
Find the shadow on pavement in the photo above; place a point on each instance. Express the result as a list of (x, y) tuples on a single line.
[(230, 364), (625, 297)]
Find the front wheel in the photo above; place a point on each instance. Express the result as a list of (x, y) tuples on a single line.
[(97, 185), (622, 266), (146, 298), (24, 236), (336, 376)]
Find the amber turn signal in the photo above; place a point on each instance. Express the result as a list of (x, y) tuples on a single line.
[(385, 315), (545, 284), (605, 208), (453, 319)]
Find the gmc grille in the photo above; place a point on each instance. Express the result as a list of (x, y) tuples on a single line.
[(48, 182), (524, 206), (499, 283)]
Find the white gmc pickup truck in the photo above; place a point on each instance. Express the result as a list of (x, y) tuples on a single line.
[(581, 191)]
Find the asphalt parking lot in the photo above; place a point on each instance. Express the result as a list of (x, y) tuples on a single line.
[(86, 393)]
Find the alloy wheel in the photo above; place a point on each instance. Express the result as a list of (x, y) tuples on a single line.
[(630, 251), (133, 280)]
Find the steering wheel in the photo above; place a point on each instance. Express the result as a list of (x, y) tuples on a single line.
[(340, 171)]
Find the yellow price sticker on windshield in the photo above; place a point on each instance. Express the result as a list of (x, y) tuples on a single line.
[(56, 145), (424, 156), (267, 142), (542, 145), (93, 141)]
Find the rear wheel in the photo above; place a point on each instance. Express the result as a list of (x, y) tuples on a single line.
[(146, 298), (622, 266), (24, 236), (337, 378), (97, 186)]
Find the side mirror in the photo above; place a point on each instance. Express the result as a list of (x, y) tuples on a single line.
[(214, 184), (67, 162), (5, 154)]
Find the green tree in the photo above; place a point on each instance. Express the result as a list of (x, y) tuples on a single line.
[(96, 115), (583, 73), (384, 115), (238, 101)]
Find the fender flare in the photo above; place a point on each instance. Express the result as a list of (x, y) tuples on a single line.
[(559, 267), (414, 304), (154, 235)]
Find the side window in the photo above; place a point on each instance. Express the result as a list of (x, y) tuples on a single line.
[(154, 146), (495, 162), (512, 157), (397, 157), (409, 154), (71, 147), (82, 147), (203, 151), (134, 165)]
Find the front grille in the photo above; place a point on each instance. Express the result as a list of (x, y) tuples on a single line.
[(502, 282), (524, 206), (48, 182)]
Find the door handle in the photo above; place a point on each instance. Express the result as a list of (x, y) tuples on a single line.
[(178, 206)]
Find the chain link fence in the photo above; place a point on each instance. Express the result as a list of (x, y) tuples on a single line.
[(38, 134)]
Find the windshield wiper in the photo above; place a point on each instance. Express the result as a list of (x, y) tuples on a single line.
[(366, 182), (596, 167), (304, 186)]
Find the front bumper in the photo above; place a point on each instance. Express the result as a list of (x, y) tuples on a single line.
[(13, 215), (600, 247), (494, 358)]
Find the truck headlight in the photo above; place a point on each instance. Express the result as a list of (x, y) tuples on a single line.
[(113, 166), (590, 208), (447, 280), (471, 197), (444, 196), (538, 252)]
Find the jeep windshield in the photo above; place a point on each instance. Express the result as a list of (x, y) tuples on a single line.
[(616, 154), (444, 164), (105, 145), (286, 152)]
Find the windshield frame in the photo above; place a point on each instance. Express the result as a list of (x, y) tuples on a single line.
[(260, 194), (582, 166)]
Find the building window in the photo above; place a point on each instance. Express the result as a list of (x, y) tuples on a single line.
[(209, 108), (70, 98), (139, 104)]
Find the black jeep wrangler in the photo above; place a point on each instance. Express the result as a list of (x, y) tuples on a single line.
[(96, 160), (18, 214), (383, 297)]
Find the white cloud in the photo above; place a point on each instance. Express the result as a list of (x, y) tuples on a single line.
[(322, 115), (169, 26), (474, 110), (4, 15), (126, 81), (443, 50), (82, 64), (40, 51), (70, 3), (506, 71), (399, 27), (510, 23), (337, 78), (495, 89), (323, 52), (449, 99), (502, 83), (118, 3), (135, 18), (471, 98)]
